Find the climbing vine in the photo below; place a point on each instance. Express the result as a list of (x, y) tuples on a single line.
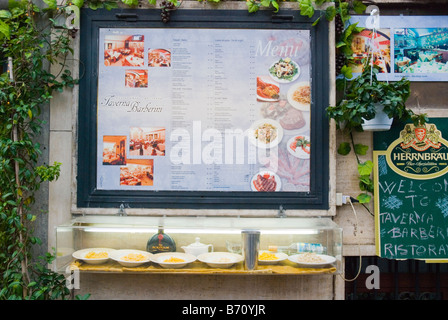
[(31, 40)]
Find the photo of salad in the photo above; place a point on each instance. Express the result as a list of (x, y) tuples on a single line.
[(284, 70)]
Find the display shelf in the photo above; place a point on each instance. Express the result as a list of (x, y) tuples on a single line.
[(288, 237)]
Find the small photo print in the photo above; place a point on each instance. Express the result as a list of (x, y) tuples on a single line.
[(148, 141), (378, 43), (124, 50), (421, 50), (114, 150), (159, 58), (137, 173), (136, 79)]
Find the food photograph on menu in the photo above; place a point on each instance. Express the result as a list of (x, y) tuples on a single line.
[(224, 110)]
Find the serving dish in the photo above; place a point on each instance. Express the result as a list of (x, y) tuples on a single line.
[(266, 181), (173, 260), (93, 255), (302, 150), (284, 70), (265, 133), (266, 257), (310, 259), (220, 259), (299, 96), (130, 257)]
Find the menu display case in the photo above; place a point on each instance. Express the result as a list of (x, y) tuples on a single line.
[(198, 245)]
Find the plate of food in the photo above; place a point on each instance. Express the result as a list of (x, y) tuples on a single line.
[(312, 259), (299, 96), (268, 257), (265, 133), (267, 89), (93, 255), (220, 259), (173, 260), (265, 181), (130, 257), (284, 70), (299, 146)]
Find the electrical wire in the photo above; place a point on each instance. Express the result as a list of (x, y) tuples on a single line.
[(359, 244)]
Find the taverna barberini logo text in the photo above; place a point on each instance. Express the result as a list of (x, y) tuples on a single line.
[(419, 153)]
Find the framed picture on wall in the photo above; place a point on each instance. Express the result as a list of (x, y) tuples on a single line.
[(215, 109)]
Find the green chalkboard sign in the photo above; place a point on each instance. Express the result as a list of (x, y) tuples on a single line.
[(411, 191)]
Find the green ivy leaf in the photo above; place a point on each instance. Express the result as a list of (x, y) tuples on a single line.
[(359, 7), (364, 198), (130, 2), (344, 148), (51, 4), (365, 168), (78, 3), (347, 72), (330, 13), (361, 149), (152, 2), (306, 8), (4, 29), (252, 6)]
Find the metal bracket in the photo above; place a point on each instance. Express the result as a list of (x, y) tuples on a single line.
[(129, 17), (281, 212)]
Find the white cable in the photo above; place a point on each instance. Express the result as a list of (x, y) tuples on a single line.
[(359, 245)]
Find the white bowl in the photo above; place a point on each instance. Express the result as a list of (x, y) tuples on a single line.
[(81, 255), (279, 255), (160, 259), (121, 255), (220, 259)]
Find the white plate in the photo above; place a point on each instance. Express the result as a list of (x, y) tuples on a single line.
[(256, 125), (326, 260), (280, 80), (298, 153), (280, 257), (268, 80), (120, 255), (81, 255), (220, 259), (160, 258), (266, 172), (295, 104)]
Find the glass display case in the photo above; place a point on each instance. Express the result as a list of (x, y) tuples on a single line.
[(283, 245)]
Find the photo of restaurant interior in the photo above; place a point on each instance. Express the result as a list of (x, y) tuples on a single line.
[(114, 150), (136, 79), (380, 41), (421, 50), (147, 141), (124, 50)]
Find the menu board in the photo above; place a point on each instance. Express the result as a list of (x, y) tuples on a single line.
[(204, 109), (411, 191), (415, 47)]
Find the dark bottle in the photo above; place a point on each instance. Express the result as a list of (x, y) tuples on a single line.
[(160, 242)]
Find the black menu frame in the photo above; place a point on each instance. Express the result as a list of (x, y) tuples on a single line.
[(87, 193)]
